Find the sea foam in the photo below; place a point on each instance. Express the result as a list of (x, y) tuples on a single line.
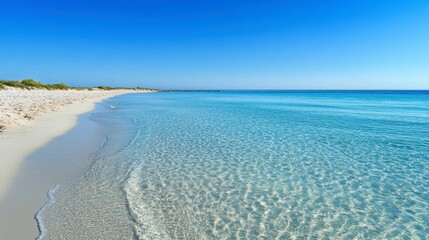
[(39, 214)]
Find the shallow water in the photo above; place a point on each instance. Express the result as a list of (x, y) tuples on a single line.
[(59, 160), (253, 165)]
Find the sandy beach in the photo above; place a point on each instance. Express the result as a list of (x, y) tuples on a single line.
[(19, 106), (29, 120), (214, 120)]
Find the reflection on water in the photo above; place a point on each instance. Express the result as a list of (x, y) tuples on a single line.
[(254, 166)]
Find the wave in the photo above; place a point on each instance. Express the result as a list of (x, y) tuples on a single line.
[(145, 223), (38, 216)]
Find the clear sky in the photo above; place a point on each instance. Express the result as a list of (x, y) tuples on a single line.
[(218, 44)]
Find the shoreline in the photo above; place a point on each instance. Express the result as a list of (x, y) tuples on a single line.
[(48, 150), (18, 142), (18, 106)]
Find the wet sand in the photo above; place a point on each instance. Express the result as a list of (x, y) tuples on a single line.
[(18, 142), (37, 155), (58, 161)]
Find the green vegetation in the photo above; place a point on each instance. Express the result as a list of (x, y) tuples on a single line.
[(58, 86), (17, 84), (82, 88), (105, 88), (32, 84)]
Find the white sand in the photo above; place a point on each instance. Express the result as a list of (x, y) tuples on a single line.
[(34, 117), (18, 106)]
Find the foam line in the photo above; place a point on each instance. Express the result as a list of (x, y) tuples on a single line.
[(38, 216)]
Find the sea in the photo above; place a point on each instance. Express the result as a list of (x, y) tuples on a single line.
[(251, 165)]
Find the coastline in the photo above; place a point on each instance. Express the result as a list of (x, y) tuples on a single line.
[(18, 142), (33, 158)]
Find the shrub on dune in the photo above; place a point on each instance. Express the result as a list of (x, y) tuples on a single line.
[(32, 83), (105, 88), (17, 84), (58, 86)]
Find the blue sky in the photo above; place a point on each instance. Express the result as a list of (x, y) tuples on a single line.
[(218, 44)]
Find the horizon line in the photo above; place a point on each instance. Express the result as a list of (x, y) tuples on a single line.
[(262, 89)]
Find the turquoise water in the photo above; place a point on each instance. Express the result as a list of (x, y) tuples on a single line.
[(253, 165)]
